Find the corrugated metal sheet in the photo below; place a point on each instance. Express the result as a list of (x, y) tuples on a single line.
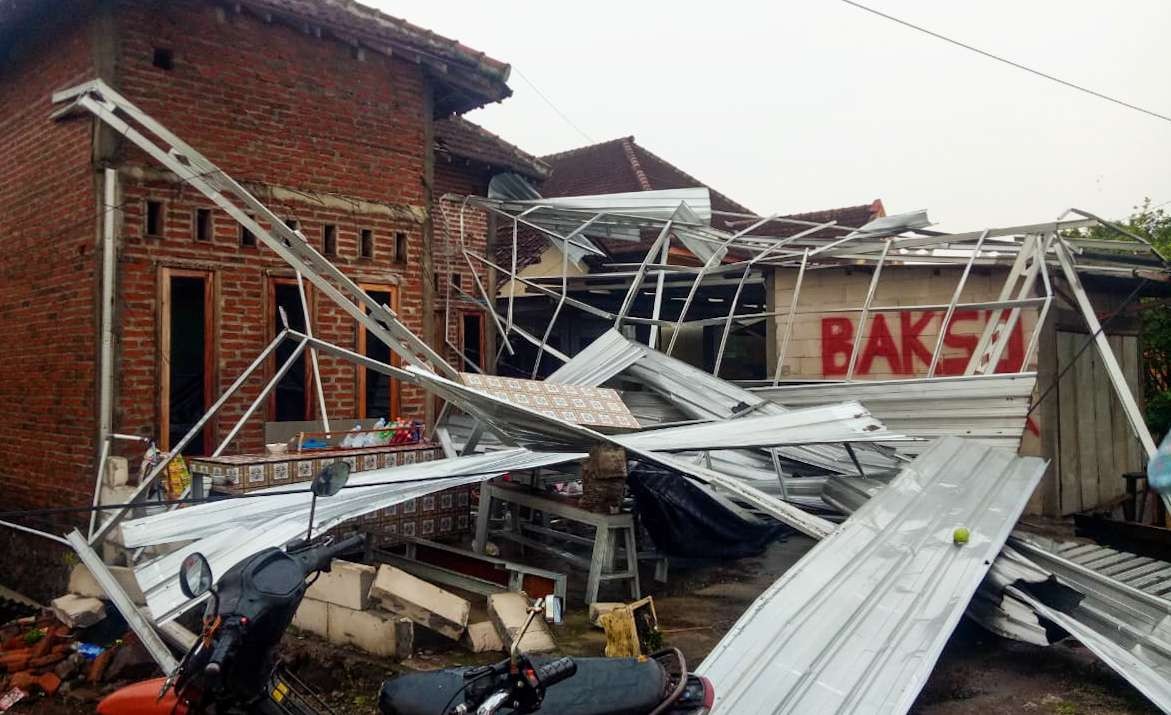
[(857, 624), (1128, 628), (1151, 576), (987, 408), (697, 393), (845, 422), (229, 531), (991, 607), (533, 428)]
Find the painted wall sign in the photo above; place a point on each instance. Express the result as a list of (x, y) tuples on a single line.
[(910, 352)]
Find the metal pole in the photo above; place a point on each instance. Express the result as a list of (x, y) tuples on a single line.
[(951, 307), (356, 358), (512, 288), (195, 429), (1014, 314), (866, 312), (1133, 413), (557, 310), (106, 360), (280, 373), (109, 267), (313, 355), (1044, 314), (93, 515), (728, 324), (488, 303), (141, 626), (640, 275), (35, 532), (657, 309), (1010, 281), (792, 315), (715, 258), (564, 288)]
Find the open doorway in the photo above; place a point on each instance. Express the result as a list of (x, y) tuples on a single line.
[(186, 356), (378, 394), (472, 340), (292, 398)]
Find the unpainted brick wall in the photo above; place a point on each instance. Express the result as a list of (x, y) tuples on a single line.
[(48, 273), (274, 107)]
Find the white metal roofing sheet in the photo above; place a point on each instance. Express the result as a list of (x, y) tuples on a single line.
[(228, 531), (857, 624)]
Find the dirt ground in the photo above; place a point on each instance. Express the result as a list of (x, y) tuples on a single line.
[(977, 674)]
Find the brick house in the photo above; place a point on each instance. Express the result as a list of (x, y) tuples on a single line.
[(327, 111)]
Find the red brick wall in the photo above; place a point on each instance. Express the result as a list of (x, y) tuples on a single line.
[(48, 269), (275, 107)]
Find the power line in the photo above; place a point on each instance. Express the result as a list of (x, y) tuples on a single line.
[(554, 106), (1039, 73)]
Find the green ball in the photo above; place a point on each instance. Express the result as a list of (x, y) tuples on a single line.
[(960, 535)]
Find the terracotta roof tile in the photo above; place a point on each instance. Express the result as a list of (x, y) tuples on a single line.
[(473, 78), (459, 137)]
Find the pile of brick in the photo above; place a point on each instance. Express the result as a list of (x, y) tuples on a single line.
[(40, 655), (378, 610)]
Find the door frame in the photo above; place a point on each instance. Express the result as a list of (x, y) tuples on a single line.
[(464, 314), (166, 273), (270, 309), (395, 385)]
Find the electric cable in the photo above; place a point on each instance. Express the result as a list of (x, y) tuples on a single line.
[(1009, 62)]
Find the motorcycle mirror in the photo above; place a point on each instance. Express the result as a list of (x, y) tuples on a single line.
[(329, 481), (195, 576)]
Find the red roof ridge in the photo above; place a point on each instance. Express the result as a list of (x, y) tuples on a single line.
[(628, 148)]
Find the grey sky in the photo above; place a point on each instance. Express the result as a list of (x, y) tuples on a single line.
[(797, 106)]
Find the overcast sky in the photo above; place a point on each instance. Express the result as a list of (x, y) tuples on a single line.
[(796, 106)]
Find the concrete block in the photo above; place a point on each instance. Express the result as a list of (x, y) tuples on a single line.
[(599, 609), (508, 612), (347, 584), (426, 604), (312, 617), (78, 611), (373, 631), (117, 495), (82, 583), (482, 637), (117, 472)]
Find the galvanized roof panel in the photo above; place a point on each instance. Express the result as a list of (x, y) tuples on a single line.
[(857, 624), (845, 422), (989, 408), (1129, 629), (231, 530)]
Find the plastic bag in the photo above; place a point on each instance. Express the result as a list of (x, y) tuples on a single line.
[(1159, 468)]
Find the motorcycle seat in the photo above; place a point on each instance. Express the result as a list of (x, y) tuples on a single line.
[(602, 686)]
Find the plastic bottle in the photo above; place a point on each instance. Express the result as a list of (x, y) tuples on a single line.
[(351, 440)]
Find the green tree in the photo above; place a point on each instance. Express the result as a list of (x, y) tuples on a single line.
[(1154, 224)]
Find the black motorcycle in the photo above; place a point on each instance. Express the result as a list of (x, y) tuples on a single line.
[(233, 667)]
